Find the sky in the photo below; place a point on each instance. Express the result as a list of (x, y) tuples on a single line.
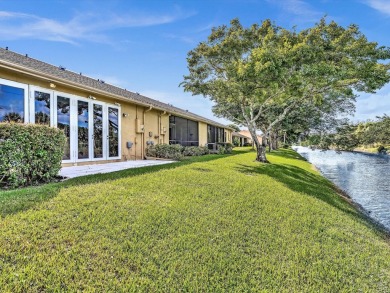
[(142, 45)]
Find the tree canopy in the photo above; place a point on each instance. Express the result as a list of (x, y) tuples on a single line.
[(245, 71)]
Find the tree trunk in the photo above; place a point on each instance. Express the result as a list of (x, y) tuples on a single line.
[(275, 138), (270, 143), (260, 157)]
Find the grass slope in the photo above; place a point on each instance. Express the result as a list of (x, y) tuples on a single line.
[(211, 224)]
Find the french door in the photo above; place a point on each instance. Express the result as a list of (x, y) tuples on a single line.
[(91, 128)]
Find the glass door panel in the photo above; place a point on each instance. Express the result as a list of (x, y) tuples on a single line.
[(82, 130), (42, 108), (63, 122), (113, 132), (97, 131)]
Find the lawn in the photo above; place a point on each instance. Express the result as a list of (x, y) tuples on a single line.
[(210, 224)]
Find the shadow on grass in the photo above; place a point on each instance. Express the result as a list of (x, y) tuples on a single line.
[(287, 154), (300, 180), (17, 200)]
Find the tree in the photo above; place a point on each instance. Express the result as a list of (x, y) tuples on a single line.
[(244, 70), (235, 127), (304, 118)]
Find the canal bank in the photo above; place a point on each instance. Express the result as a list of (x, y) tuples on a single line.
[(362, 176)]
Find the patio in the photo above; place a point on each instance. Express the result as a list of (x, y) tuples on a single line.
[(77, 171)]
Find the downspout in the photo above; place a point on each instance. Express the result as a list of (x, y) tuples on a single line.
[(143, 133)]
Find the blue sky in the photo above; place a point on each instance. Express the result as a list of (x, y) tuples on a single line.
[(142, 45)]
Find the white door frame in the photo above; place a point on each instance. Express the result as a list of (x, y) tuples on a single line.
[(72, 122), (119, 131)]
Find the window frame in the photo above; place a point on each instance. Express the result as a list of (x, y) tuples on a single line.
[(33, 89), (25, 87)]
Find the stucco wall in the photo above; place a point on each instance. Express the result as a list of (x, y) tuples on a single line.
[(202, 133)]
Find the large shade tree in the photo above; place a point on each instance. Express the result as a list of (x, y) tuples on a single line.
[(307, 116), (244, 70)]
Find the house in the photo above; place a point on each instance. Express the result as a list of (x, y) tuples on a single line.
[(245, 138), (242, 139), (102, 122)]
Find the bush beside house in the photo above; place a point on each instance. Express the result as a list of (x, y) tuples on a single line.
[(175, 151), (29, 154)]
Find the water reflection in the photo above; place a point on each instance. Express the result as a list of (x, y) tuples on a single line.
[(364, 177)]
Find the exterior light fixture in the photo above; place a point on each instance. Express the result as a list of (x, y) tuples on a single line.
[(91, 97), (125, 114), (117, 104), (52, 85)]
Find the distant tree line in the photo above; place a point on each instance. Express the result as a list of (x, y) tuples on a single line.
[(349, 136)]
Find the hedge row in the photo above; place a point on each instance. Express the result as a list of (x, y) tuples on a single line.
[(29, 154), (177, 152)]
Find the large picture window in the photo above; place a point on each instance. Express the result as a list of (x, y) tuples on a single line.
[(12, 102), (183, 131)]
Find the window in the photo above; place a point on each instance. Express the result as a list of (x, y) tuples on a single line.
[(183, 131), (13, 101), (42, 108), (215, 134), (113, 132), (83, 129), (63, 122)]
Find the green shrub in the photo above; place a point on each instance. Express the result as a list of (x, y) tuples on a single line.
[(165, 151), (228, 148), (29, 154), (221, 150), (175, 151), (224, 148), (195, 151)]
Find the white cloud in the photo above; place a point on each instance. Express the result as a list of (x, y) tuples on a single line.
[(368, 106), (300, 8), (382, 6), (86, 26)]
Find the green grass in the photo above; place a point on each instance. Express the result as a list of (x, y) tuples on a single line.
[(210, 224)]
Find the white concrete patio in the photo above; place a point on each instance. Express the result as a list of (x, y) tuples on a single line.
[(77, 171)]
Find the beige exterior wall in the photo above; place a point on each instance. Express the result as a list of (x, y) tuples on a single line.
[(202, 133), (228, 135)]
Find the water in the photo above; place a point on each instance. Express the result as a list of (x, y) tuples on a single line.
[(365, 177)]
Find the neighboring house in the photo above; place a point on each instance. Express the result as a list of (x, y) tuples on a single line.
[(243, 140), (102, 122), (245, 137)]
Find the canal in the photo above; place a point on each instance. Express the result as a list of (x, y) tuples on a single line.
[(365, 177)]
